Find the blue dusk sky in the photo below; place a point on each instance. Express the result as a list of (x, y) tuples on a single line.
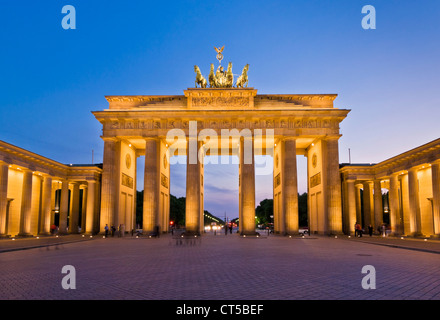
[(51, 78)]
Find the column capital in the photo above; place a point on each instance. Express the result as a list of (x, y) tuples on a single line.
[(151, 138), (109, 139), (332, 137), (288, 138)]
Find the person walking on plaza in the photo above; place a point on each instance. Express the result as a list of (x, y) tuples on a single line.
[(106, 230), (359, 230), (113, 230), (370, 230), (356, 229)]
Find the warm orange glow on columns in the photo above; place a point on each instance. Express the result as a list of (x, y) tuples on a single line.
[(435, 174), (290, 185), (334, 201), (193, 188), (90, 211), (368, 204), (394, 205), (26, 204), (247, 180), (151, 185), (378, 205), (46, 205), (74, 212), (351, 205), (64, 207), (3, 197), (414, 203), (110, 179)]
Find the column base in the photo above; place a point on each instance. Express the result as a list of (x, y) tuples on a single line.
[(5, 236), (25, 235), (417, 235), (435, 236)]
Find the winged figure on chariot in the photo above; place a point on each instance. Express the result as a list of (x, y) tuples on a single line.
[(221, 78)]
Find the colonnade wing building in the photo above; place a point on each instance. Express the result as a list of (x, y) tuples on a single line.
[(37, 193)]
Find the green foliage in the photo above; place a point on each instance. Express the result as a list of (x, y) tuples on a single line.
[(265, 209)]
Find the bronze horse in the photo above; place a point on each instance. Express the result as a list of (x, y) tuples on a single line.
[(200, 80), (242, 80)]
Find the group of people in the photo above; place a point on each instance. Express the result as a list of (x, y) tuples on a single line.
[(120, 232), (358, 231)]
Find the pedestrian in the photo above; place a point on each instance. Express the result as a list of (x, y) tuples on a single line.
[(383, 230), (226, 230), (230, 228), (356, 229), (120, 231), (359, 230), (113, 230), (370, 230), (106, 230)]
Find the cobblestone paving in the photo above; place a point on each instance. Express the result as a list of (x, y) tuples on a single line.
[(220, 268)]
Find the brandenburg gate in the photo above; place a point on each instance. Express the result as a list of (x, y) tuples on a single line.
[(218, 118)]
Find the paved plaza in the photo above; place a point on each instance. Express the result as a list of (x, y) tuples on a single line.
[(219, 268)]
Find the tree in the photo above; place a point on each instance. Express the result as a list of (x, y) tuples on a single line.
[(264, 211)]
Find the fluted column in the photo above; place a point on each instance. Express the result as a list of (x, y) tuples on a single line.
[(74, 213), (84, 209), (358, 203), (414, 203), (394, 205), (290, 185), (333, 188), (368, 204), (351, 205), (378, 205), (193, 187), (46, 206), (247, 181), (64, 207), (26, 205), (435, 175), (151, 185), (110, 180), (4, 171), (90, 211)]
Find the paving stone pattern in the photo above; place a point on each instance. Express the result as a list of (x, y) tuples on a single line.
[(218, 268)]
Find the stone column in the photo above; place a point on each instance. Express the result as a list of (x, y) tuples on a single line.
[(351, 205), (4, 170), (414, 203), (74, 213), (378, 205), (358, 204), (193, 188), (26, 205), (290, 185), (368, 205), (64, 207), (435, 175), (90, 211), (46, 206), (84, 209), (110, 179), (394, 205), (151, 185), (247, 181), (333, 186)]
